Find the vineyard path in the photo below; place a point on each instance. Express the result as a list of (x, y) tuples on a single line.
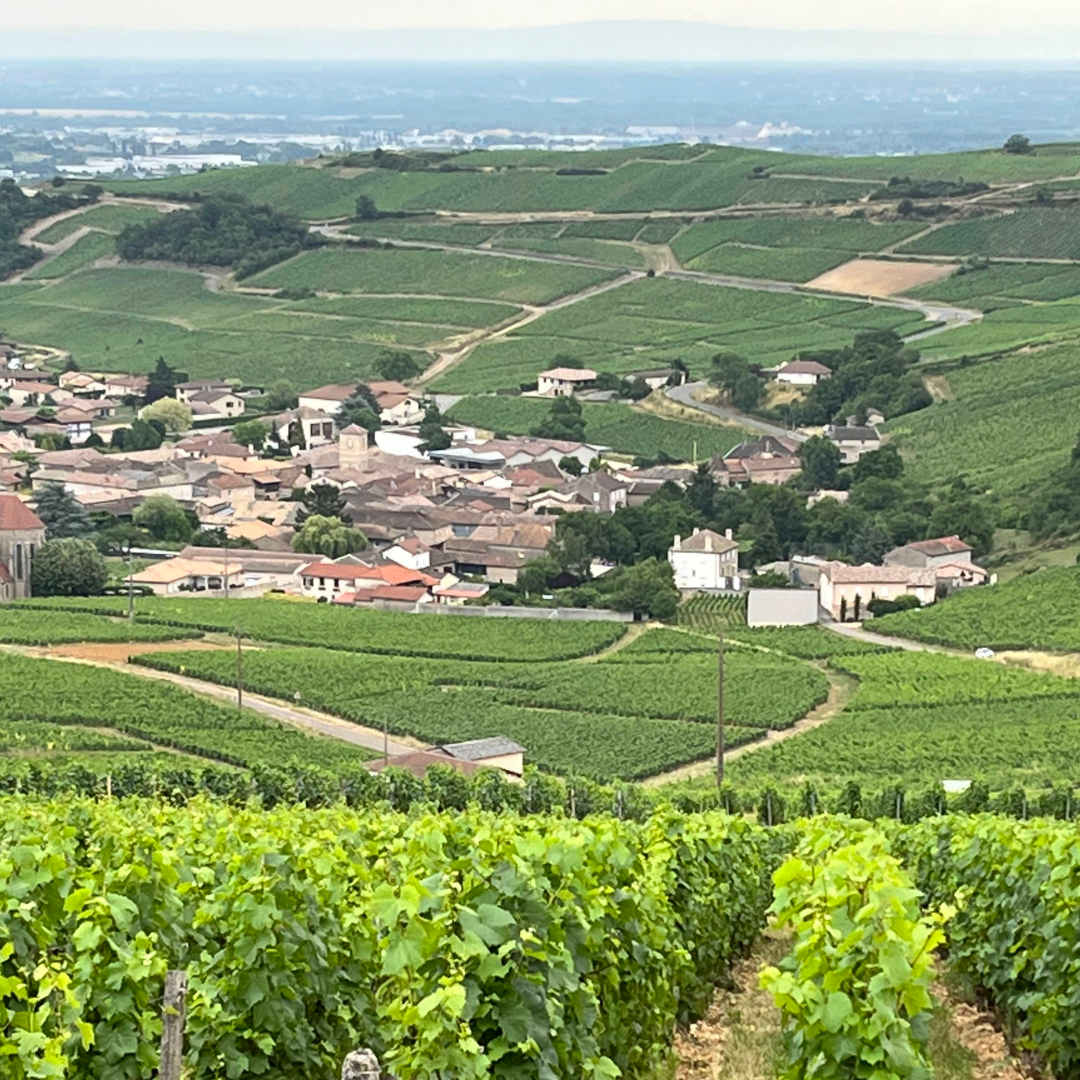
[(317, 722), (841, 688)]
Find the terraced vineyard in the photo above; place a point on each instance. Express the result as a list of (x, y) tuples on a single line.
[(1025, 234)]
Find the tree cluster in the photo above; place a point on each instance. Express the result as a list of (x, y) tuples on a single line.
[(565, 420), (1055, 510), (224, 230)]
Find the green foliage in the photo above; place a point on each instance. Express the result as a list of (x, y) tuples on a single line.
[(398, 367), (1034, 234), (820, 459), (175, 415), (27, 626), (445, 273), (164, 519), (1030, 612), (253, 433), (86, 250), (805, 642), (325, 501), (218, 232), (328, 536), (106, 219), (855, 991), (594, 930), (19, 210), (379, 632), (1014, 935), (564, 420), (69, 567), (710, 614), (61, 513)]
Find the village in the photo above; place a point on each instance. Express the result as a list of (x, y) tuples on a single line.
[(420, 520)]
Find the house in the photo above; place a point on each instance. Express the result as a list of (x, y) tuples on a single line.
[(215, 404), (705, 561), (497, 752), (31, 394), (397, 403), (181, 575), (185, 391), (260, 570), (845, 591), (317, 427), (78, 426), (853, 441), (467, 758), (82, 384), (563, 381), (599, 492), (939, 551), (768, 460), (466, 459), (22, 532), (237, 491), (327, 399), (412, 553), (802, 373), (123, 386), (326, 580)]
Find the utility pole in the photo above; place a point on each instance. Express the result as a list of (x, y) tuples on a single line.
[(385, 741), (239, 671), (720, 714), (225, 576), (131, 587)]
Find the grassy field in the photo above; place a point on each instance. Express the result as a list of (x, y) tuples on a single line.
[(86, 250), (778, 264), (1009, 328), (1011, 421), (604, 251), (618, 426), (109, 219), (672, 319), (439, 273), (1026, 234), (460, 314)]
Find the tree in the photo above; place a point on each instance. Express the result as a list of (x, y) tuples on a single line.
[(361, 409), (701, 491), (70, 364), (398, 366), (886, 463), (175, 415), (366, 210), (563, 421), (870, 543), (905, 208), (68, 567), (323, 500), (820, 459), (1018, 144), (253, 433), (62, 514), (746, 393), (647, 588), (766, 547), (535, 577), (164, 519), (959, 512), (328, 536), (769, 580), (140, 436), (435, 437), (161, 382), (281, 396), (571, 465)]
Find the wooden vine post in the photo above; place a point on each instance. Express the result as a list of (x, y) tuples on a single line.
[(173, 1019)]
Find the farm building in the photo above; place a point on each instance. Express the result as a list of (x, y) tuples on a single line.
[(705, 560), (802, 373), (781, 607), (563, 381)]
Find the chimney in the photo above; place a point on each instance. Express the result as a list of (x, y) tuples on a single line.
[(696, 531), (727, 535), (676, 542)]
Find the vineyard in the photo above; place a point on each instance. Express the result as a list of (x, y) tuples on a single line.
[(711, 614), (27, 626), (619, 718), (360, 631), (124, 712), (1031, 234), (490, 946), (1035, 612)]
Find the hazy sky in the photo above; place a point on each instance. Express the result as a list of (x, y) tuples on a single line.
[(935, 16)]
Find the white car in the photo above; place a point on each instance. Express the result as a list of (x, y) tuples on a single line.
[(984, 654)]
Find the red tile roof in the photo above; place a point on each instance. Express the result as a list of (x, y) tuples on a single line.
[(941, 545), (15, 514), (408, 593)]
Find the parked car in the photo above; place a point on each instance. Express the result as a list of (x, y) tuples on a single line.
[(984, 654)]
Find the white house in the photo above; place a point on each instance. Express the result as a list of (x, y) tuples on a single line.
[(563, 381), (187, 575), (327, 399), (318, 428), (215, 404), (853, 441), (185, 391), (802, 373), (706, 560)]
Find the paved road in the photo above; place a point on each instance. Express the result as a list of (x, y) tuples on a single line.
[(856, 632), (684, 396)]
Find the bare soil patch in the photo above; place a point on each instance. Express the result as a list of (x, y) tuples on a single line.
[(879, 277), (117, 652)]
